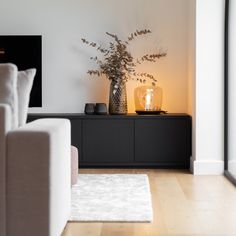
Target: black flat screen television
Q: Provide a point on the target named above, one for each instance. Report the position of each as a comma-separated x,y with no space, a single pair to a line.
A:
25,51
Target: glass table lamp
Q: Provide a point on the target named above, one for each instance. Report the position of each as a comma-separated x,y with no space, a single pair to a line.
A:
148,99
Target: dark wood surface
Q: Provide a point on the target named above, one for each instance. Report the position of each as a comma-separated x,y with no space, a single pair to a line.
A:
131,140
163,140
127,116
108,141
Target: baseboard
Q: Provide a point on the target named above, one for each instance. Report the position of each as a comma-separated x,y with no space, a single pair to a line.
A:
232,166
207,167
230,177
191,164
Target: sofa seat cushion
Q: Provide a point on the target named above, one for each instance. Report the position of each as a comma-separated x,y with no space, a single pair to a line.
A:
74,165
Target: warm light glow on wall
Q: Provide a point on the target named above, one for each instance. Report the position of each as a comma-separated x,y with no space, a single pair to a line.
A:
66,61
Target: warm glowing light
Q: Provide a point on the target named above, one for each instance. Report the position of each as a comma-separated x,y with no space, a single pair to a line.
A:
148,98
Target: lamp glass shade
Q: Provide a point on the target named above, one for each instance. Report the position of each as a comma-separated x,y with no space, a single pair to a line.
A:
148,98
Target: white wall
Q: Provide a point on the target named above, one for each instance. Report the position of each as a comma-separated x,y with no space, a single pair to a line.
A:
192,70
209,96
231,90
66,86
191,75
191,55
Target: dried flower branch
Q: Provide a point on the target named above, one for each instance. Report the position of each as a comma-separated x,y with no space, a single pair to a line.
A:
119,65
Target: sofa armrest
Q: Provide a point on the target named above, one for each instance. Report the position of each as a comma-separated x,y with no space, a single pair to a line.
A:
5,126
38,178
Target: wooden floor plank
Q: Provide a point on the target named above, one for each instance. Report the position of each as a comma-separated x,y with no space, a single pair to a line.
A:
183,205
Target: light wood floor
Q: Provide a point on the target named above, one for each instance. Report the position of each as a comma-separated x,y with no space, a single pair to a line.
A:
183,205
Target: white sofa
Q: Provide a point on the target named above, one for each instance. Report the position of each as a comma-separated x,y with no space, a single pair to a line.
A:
35,184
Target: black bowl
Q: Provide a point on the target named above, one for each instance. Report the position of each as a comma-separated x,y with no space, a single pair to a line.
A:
100,109
89,108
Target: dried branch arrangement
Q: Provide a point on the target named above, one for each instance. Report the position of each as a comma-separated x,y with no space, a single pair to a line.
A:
118,63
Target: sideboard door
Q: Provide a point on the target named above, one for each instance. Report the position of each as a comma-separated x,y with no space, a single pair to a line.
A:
162,141
108,141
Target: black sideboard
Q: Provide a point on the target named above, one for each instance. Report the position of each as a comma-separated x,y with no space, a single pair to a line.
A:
162,141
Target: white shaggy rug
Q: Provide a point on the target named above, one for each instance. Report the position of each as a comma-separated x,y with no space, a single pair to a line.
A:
111,197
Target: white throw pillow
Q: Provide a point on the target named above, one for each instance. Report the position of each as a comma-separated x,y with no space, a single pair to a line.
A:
24,85
8,91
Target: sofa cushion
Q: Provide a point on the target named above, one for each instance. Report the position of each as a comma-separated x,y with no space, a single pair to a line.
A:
38,178
24,85
74,165
8,90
